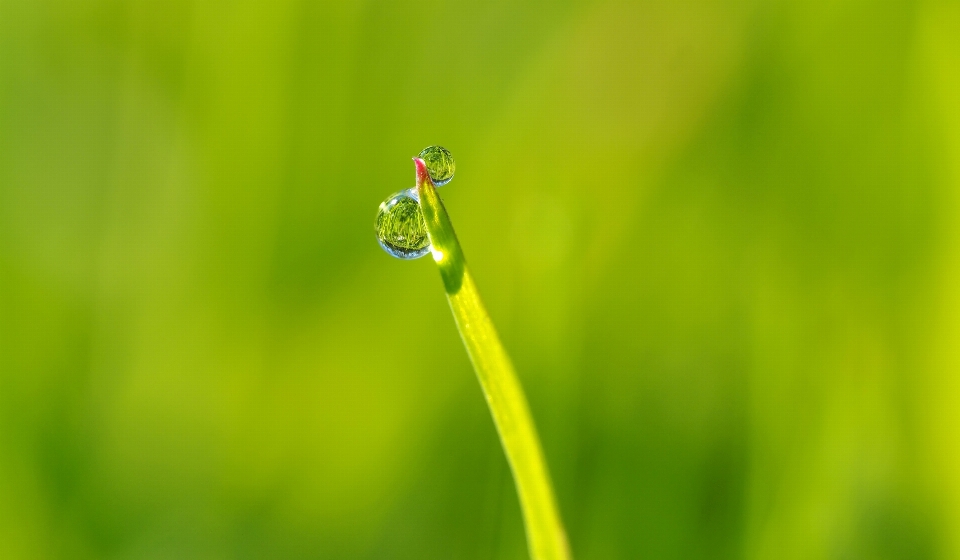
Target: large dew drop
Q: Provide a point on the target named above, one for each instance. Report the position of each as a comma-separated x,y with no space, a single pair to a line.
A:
400,227
440,164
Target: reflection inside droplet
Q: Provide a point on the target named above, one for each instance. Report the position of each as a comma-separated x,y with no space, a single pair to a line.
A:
440,164
400,226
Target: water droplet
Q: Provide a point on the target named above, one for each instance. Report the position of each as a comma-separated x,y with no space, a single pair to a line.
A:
400,226
440,164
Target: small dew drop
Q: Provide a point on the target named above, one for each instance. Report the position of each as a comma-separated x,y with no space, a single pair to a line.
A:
400,226
440,164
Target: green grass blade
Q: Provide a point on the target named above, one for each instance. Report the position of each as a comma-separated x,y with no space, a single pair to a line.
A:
508,405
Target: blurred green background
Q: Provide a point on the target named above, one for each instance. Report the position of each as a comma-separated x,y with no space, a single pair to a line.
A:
720,239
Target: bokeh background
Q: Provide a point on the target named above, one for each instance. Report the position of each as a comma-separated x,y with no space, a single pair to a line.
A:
720,239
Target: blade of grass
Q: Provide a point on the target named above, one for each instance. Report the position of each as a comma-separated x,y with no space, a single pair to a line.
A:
546,538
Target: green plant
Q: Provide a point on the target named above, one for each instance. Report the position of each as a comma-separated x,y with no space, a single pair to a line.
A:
546,538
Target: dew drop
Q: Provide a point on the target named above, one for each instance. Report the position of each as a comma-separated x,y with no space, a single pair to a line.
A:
400,226
440,164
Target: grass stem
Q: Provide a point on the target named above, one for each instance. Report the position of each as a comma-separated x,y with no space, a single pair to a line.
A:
546,538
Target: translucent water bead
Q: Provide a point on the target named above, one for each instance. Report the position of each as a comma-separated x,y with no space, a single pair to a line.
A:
400,226
440,164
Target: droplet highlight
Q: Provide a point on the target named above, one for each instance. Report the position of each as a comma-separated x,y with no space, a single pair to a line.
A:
440,164
400,227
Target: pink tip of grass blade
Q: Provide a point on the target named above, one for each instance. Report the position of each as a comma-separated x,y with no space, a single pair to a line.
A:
423,176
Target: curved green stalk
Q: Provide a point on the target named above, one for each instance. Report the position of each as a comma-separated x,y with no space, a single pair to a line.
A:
508,405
